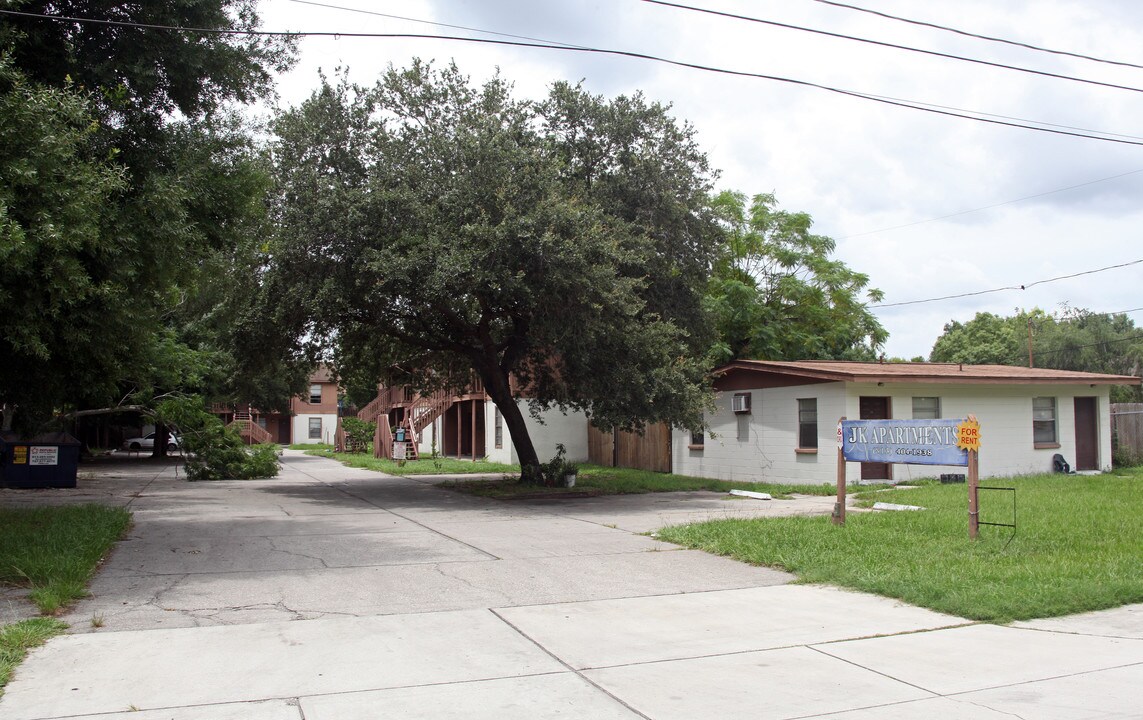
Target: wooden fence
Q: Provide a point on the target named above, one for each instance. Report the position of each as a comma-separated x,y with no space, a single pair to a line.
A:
1127,428
649,450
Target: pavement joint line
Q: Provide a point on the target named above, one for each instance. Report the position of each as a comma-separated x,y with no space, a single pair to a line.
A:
415,522
885,675
986,707
331,567
1078,633
1078,673
575,671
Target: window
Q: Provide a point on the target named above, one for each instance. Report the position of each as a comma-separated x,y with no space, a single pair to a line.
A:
807,423
498,424
315,393
1044,421
926,408
698,440
261,421
315,428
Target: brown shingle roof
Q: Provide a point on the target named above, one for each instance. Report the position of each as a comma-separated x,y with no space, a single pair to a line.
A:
841,371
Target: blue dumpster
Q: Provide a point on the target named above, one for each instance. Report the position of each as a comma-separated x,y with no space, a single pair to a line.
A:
46,461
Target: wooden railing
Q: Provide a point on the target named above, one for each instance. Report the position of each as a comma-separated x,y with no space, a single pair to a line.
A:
250,431
376,407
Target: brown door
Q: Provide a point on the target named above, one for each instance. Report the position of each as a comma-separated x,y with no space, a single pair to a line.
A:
874,408
1087,434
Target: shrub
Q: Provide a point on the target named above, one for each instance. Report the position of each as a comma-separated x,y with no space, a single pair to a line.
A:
358,434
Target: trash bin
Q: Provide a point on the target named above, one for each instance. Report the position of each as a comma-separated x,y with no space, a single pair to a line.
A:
46,461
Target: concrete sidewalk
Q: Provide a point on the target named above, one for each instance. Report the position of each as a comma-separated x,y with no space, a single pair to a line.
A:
332,593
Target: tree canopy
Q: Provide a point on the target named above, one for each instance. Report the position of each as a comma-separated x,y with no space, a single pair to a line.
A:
557,250
1074,339
128,187
776,294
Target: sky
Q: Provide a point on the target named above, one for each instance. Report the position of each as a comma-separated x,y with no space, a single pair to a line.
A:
927,205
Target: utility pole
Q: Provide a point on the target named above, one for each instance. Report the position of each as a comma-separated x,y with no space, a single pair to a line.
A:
1030,342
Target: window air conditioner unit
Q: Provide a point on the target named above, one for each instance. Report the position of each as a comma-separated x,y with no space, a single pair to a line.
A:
741,403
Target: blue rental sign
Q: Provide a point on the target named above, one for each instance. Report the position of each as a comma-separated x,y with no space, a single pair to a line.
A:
913,442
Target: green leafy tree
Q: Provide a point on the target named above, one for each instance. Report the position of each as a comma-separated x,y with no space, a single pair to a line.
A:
1075,339
987,339
58,278
558,250
776,293
120,259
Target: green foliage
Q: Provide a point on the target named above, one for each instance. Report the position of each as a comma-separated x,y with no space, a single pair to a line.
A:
214,451
439,230
1077,549
1074,339
128,211
358,434
776,294
423,466
55,550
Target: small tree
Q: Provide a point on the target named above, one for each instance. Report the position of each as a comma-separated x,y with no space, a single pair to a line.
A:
776,294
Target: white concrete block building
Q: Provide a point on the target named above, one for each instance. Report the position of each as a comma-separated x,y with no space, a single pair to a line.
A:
777,421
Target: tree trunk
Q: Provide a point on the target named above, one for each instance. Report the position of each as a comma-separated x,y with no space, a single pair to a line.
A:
162,437
9,411
498,388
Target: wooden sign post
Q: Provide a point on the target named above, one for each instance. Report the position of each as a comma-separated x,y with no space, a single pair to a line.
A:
838,516
968,438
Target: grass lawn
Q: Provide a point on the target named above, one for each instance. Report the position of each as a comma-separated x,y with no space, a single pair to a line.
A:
1078,547
424,466
598,480
54,551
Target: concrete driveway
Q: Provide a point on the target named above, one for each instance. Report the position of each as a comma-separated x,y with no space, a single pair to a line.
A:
332,593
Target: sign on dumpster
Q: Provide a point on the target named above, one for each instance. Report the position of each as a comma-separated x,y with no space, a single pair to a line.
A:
44,455
912,442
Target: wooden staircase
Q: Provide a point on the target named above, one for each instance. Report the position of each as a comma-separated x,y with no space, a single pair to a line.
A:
420,412
249,430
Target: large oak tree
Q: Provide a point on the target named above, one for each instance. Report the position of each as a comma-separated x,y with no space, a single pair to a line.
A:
429,229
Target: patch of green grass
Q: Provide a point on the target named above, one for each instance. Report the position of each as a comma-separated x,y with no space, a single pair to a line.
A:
598,480
311,446
424,466
18,638
55,550
1078,547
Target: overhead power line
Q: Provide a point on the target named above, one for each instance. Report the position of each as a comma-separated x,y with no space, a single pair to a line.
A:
1008,287
990,207
1122,140
431,22
945,28
907,48
559,42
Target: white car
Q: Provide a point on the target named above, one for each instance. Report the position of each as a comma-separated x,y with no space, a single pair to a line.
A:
147,442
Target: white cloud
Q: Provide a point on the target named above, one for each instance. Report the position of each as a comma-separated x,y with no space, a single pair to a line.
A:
856,166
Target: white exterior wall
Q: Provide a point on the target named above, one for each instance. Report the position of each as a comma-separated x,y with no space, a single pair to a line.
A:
300,432
768,454
569,429
1005,416
771,431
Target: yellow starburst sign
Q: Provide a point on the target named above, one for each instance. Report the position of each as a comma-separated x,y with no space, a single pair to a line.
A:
968,434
